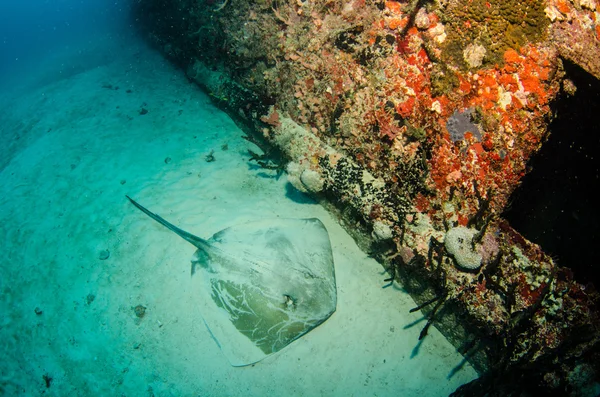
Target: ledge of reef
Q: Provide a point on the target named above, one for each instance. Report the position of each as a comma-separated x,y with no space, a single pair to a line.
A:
414,122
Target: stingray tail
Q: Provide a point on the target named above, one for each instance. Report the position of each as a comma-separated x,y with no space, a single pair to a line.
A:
195,240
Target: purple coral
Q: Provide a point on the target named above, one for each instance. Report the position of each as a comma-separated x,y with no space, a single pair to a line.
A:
460,123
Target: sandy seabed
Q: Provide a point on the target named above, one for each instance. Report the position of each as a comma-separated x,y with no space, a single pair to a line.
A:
75,142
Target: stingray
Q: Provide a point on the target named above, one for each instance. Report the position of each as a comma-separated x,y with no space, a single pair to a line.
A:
264,284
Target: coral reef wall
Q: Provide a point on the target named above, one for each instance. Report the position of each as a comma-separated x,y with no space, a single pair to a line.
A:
415,119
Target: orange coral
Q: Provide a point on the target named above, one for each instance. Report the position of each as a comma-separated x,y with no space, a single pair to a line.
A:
394,7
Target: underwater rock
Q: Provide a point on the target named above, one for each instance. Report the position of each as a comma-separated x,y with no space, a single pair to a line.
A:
312,180
305,180
210,157
293,176
459,244
381,231
140,311
47,380
104,255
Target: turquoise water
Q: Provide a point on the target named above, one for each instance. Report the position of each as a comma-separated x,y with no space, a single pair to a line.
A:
96,299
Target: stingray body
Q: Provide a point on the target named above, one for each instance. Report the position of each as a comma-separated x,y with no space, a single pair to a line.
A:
265,283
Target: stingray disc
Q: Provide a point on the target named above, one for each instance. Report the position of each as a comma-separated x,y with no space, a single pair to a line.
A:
267,284
263,284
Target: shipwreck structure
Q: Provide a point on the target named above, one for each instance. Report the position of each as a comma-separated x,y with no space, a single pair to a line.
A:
415,121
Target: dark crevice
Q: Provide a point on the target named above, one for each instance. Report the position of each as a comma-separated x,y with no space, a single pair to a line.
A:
556,205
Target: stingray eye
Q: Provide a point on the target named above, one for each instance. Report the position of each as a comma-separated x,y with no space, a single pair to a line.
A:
289,302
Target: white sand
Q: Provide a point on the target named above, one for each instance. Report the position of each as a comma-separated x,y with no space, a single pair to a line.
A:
81,149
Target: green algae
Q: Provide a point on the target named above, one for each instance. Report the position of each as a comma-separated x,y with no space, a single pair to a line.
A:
496,25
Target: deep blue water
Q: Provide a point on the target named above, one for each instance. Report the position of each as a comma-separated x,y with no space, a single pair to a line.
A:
34,31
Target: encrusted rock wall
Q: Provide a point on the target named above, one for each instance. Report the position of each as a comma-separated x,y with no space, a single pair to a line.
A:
416,121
